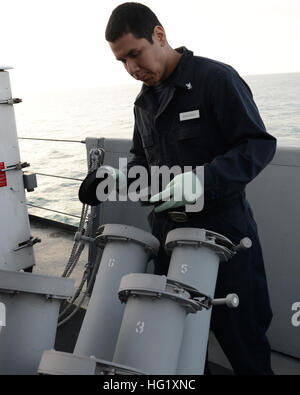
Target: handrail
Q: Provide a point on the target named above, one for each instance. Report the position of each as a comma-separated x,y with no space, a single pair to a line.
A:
52,175
62,141
54,211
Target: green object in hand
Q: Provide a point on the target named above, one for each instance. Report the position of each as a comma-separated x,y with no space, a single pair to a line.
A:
185,188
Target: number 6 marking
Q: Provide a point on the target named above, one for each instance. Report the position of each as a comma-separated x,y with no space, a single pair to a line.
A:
111,262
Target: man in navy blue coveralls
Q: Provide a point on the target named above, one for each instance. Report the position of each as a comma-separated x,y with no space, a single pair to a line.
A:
229,139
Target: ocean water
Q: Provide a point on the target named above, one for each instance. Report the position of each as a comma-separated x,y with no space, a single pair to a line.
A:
108,112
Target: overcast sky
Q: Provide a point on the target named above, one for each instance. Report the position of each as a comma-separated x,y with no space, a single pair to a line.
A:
59,44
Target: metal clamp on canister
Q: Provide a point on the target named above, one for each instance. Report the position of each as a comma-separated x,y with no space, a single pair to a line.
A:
157,287
125,233
216,242
205,301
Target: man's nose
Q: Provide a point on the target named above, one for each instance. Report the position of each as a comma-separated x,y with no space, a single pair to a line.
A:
132,67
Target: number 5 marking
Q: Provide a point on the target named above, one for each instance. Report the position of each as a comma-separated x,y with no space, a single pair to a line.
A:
184,268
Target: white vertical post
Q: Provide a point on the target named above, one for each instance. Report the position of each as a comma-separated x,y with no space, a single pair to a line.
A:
14,221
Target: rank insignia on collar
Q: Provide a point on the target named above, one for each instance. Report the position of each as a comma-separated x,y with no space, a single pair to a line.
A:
189,86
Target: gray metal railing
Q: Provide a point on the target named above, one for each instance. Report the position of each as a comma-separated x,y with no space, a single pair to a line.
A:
62,141
54,211
52,175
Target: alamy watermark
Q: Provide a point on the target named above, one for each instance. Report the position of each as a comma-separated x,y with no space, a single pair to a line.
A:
142,185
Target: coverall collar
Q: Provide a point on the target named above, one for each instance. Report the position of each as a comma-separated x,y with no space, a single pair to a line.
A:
182,77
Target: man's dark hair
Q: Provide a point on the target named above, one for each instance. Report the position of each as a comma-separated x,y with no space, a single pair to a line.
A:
133,18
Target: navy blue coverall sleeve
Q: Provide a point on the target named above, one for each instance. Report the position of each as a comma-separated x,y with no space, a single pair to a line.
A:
241,126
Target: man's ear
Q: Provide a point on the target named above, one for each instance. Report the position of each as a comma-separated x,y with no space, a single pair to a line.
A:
159,35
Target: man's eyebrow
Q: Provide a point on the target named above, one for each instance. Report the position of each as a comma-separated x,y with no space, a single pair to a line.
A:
128,54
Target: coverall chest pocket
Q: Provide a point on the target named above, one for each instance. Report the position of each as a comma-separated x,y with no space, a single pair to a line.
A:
191,145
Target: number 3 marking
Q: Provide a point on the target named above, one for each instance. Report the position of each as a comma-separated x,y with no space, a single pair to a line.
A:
140,327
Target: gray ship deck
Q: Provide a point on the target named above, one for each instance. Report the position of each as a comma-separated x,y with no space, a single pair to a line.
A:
51,257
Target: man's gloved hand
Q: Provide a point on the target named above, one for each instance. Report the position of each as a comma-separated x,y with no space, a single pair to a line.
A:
185,188
117,175
90,191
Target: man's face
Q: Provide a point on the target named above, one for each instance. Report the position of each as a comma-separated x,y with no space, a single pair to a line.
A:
142,60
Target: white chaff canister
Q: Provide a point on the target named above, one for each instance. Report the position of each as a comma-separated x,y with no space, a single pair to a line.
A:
14,222
126,250
153,323
196,254
32,306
